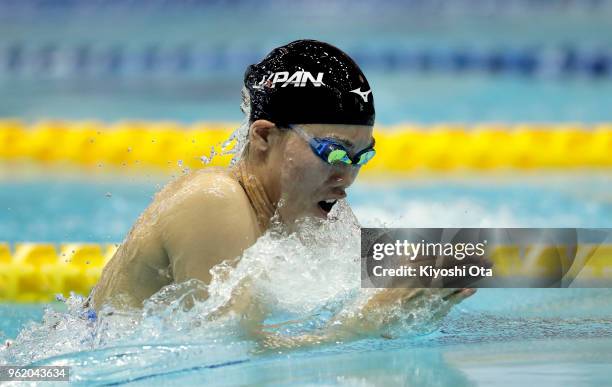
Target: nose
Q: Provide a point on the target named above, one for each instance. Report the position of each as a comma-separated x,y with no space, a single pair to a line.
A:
343,175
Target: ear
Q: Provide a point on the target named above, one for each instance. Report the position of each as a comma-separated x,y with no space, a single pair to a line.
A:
262,135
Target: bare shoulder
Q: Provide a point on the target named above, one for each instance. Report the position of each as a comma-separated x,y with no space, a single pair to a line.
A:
206,220
215,182
205,199
204,189
191,223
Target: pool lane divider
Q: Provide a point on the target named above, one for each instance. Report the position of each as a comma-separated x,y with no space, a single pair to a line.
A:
38,272
59,60
168,146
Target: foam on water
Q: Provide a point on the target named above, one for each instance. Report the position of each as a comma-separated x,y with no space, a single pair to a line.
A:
304,282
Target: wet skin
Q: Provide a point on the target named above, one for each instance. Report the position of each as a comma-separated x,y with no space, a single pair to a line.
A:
205,217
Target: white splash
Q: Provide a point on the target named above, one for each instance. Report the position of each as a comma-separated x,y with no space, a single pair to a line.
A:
311,276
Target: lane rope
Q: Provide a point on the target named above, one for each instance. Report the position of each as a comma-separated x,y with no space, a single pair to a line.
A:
169,146
59,60
38,272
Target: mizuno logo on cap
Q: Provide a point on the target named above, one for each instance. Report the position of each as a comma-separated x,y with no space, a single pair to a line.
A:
297,79
363,94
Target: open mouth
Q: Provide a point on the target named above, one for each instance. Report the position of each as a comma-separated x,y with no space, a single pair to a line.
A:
326,205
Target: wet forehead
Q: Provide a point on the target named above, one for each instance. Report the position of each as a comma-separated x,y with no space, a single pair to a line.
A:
352,136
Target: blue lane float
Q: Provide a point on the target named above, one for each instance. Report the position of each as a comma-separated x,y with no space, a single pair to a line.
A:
57,61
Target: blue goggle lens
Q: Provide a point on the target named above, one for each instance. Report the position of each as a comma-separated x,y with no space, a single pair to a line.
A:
334,153
366,156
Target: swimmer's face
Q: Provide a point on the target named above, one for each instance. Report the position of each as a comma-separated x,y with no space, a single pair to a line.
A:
300,181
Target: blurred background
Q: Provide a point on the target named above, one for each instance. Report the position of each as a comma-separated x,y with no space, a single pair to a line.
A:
490,77
429,61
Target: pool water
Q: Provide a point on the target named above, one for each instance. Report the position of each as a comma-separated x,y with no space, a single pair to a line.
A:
544,337
34,90
499,336
52,207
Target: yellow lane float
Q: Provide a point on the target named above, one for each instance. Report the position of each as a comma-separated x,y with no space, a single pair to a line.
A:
400,148
38,272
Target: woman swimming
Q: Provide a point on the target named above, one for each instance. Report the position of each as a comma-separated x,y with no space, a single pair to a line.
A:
311,116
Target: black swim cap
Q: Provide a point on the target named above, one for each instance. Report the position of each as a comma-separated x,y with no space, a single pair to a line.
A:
309,82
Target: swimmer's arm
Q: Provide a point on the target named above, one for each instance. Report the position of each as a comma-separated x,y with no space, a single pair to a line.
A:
375,313
370,319
205,229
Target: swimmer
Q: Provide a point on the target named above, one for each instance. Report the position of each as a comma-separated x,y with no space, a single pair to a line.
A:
311,116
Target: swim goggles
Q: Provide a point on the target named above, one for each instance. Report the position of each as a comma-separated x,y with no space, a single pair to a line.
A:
332,152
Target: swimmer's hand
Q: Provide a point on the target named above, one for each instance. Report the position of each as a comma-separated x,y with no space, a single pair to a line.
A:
377,313
388,305
380,311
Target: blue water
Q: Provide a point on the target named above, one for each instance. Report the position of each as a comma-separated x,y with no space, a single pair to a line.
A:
498,337
398,98
102,209
43,85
